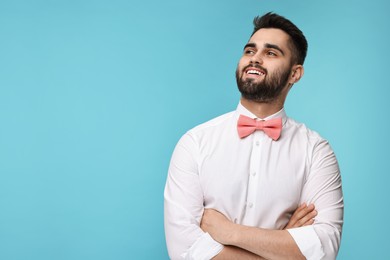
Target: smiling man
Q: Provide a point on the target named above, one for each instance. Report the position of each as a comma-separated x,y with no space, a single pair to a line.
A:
254,183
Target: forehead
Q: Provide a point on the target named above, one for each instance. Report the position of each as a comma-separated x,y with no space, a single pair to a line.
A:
271,36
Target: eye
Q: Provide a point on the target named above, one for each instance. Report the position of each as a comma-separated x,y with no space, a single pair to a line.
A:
271,53
249,52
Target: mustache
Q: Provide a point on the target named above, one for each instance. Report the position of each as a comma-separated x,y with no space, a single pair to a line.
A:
257,66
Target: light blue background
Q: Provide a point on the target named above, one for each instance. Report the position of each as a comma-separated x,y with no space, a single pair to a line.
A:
94,96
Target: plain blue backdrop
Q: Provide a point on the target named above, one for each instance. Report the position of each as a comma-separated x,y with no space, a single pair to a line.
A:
95,94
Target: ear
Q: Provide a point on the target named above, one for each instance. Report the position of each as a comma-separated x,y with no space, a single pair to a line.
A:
296,73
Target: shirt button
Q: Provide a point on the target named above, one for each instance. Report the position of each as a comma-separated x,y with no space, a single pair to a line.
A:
250,204
257,143
253,173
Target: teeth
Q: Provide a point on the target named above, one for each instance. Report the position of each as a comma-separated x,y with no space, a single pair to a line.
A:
255,72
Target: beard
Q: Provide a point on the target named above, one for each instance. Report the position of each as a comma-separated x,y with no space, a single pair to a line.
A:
266,90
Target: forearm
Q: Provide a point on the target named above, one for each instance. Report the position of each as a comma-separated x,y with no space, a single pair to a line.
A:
233,253
270,244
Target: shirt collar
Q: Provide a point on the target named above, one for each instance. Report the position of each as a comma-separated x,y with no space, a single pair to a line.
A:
241,110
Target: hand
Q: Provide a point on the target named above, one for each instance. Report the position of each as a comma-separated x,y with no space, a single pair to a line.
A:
303,216
217,225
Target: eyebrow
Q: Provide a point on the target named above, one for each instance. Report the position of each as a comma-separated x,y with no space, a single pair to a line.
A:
250,45
266,45
274,46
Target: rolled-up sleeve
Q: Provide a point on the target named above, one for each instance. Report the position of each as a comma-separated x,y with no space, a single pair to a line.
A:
322,188
183,206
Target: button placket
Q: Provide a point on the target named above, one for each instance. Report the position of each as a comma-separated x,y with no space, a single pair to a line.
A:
253,176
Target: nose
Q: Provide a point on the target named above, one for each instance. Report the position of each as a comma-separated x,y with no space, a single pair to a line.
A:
256,59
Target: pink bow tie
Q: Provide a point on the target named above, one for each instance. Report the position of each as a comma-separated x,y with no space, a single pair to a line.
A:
247,126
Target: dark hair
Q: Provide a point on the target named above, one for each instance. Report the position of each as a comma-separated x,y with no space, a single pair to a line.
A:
298,43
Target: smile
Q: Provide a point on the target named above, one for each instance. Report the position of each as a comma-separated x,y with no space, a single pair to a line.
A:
255,72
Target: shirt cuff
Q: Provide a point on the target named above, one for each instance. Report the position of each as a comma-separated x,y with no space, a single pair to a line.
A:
308,242
204,248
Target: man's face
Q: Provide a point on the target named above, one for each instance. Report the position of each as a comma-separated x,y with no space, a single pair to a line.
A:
264,70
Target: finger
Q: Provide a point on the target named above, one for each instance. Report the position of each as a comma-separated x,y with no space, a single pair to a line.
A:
306,218
309,222
302,212
296,215
301,215
293,218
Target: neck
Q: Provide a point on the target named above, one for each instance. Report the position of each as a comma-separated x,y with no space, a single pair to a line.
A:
262,110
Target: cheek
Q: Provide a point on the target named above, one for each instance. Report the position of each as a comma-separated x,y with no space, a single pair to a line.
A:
241,64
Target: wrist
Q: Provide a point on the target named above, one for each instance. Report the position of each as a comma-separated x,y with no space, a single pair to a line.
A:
234,236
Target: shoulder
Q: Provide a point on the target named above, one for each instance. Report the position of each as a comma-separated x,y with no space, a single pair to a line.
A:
317,147
210,129
215,124
300,130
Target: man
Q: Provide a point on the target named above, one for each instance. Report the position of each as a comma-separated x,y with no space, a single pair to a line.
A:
235,182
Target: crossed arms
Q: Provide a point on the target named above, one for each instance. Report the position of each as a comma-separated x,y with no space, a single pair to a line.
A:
195,233
243,242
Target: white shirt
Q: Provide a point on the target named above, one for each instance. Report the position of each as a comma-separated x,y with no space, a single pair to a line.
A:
254,181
